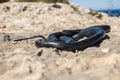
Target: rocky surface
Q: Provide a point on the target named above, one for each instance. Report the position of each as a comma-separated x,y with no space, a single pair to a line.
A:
23,61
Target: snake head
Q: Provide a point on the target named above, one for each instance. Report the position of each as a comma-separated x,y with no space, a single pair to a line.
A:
39,42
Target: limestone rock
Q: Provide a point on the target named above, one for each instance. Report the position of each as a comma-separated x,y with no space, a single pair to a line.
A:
21,60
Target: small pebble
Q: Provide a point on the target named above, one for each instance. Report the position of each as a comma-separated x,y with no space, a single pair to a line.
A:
39,53
7,38
56,6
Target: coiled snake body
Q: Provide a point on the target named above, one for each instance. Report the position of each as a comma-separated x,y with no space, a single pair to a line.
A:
69,40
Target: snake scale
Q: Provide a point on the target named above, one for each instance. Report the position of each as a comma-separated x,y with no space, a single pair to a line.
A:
70,40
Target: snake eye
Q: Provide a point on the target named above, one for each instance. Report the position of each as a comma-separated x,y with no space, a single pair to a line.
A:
42,40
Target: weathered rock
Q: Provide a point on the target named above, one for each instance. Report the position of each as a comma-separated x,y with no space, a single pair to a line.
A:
21,60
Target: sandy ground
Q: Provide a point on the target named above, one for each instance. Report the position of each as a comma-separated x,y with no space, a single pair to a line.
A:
23,61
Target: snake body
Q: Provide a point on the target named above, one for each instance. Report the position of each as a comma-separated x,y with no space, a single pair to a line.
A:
68,40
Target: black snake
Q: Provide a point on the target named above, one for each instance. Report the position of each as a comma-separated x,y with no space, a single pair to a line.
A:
69,40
